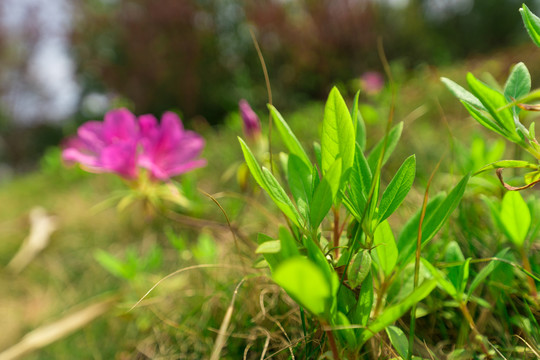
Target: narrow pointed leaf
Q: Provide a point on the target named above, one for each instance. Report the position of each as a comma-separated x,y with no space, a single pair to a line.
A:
462,94
337,133
398,188
507,164
279,196
393,139
394,312
288,137
325,194
493,101
532,24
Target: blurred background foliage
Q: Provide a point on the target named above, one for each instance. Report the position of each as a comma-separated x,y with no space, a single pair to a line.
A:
198,57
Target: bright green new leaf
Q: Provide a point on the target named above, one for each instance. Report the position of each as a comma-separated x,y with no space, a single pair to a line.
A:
338,137
462,94
393,139
394,312
515,217
398,188
385,247
399,340
494,102
305,283
269,247
288,137
532,24
507,164
325,194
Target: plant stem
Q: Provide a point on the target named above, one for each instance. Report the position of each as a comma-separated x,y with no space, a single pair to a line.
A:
337,233
530,280
332,342
465,310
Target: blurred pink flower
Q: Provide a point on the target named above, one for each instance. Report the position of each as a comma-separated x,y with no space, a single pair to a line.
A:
250,120
108,146
167,149
121,144
372,82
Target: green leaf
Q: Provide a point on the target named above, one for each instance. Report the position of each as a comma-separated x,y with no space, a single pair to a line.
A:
493,102
398,188
399,340
433,221
385,247
358,268
288,137
305,283
394,312
279,196
442,281
337,133
325,193
515,217
269,247
532,177
393,139
359,181
485,121
518,83
462,94
344,331
252,164
365,301
289,247
300,183
453,254
486,271
507,164
463,277
316,255
532,24
115,266
273,260
359,124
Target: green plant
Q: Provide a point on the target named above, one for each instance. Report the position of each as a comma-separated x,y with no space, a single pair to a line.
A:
339,267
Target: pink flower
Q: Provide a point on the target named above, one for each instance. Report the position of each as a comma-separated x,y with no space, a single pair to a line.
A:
372,82
108,146
168,149
250,120
121,144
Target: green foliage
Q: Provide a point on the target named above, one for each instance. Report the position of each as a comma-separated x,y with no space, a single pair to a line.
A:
305,263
